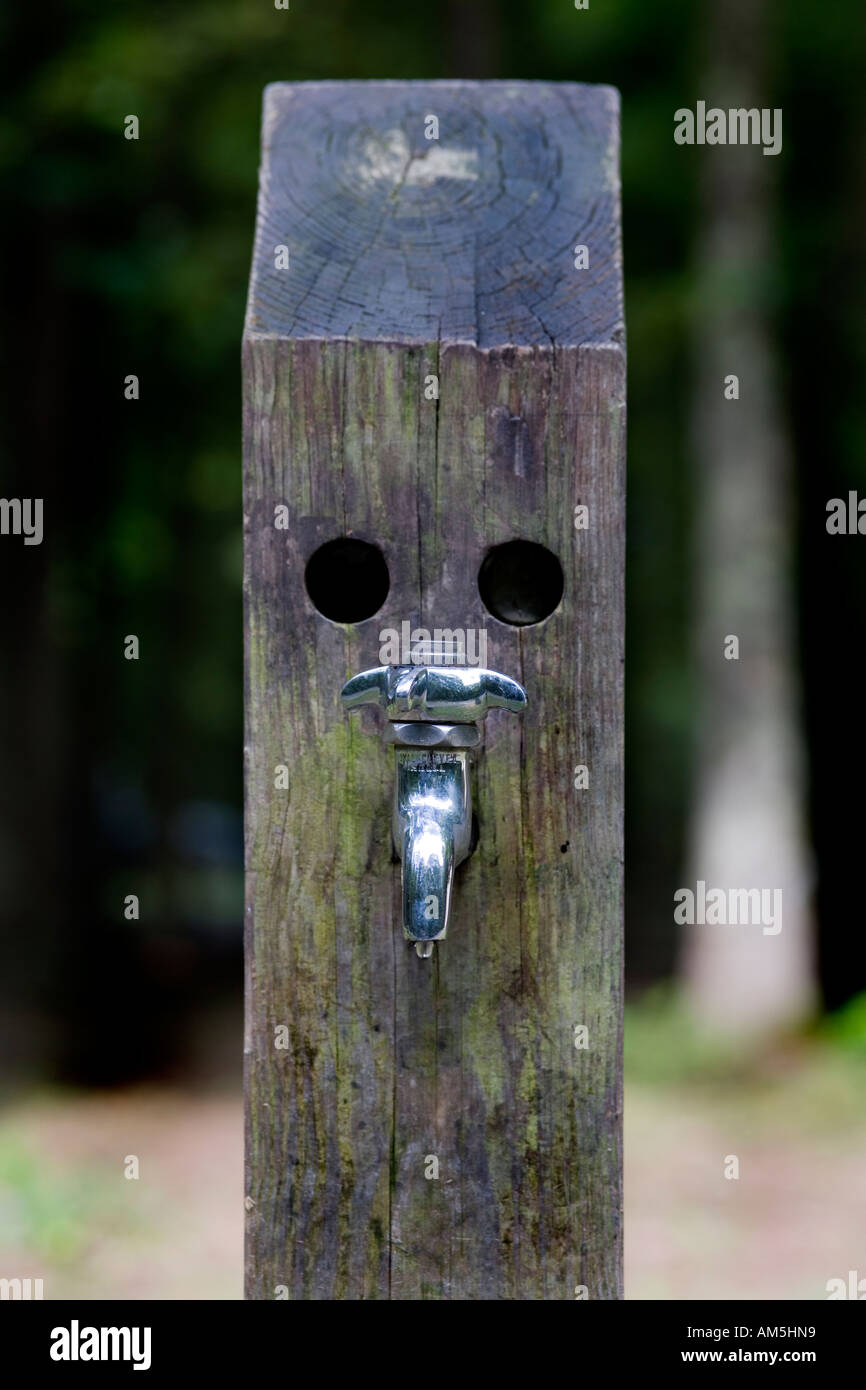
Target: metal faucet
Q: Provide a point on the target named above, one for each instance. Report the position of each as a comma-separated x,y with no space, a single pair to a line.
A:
433,714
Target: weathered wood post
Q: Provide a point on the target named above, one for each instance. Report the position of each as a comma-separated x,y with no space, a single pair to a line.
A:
434,368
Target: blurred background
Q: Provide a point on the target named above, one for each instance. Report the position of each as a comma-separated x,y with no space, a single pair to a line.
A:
121,1036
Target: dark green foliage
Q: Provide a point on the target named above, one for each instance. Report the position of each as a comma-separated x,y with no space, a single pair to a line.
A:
124,256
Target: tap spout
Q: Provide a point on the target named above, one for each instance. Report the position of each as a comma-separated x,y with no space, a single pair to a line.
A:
433,716
432,833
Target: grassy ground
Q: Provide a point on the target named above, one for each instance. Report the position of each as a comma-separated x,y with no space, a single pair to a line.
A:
70,1216
794,1117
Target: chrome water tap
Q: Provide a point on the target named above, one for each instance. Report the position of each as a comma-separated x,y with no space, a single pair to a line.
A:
433,714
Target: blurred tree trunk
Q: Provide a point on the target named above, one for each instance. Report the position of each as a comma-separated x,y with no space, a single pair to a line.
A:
748,817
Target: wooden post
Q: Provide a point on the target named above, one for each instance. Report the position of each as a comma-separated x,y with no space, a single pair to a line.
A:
432,365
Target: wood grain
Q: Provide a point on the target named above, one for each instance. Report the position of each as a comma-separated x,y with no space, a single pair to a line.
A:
468,1057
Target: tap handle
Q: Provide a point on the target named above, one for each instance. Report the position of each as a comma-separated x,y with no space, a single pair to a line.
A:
455,694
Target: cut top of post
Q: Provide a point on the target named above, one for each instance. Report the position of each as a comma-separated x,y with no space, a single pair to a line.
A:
473,212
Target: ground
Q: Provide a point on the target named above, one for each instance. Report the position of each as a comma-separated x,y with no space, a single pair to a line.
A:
794,1120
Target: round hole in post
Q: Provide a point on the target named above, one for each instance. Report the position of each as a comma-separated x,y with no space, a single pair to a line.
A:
520,582
347,579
